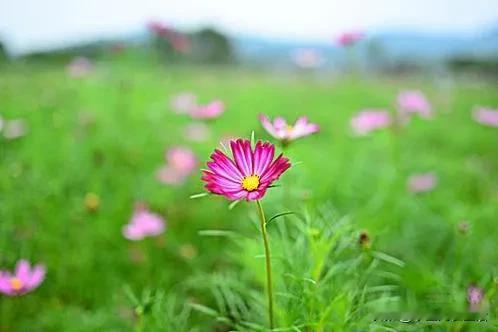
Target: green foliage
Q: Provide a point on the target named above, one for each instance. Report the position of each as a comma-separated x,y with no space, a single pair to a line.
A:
106,134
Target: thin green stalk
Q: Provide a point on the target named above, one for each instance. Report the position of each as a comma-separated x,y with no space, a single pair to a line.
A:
262,220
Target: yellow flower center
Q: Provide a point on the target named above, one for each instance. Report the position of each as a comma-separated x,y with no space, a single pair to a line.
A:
250,183
16,284
289,129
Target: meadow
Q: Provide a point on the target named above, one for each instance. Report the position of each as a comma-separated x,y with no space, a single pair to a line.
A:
359,252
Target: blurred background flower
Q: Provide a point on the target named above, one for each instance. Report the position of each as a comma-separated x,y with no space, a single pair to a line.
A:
184,102
180,163
211,110
79,67
143,223
413,102
369,120
475,296
285,132
15,128
349,38
486,116
23,280
423,182
197,132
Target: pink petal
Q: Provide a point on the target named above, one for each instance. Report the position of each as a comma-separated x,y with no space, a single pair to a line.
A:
5,287
225,166
23,271
256,194
272,173
133,232
414,101
486,116
210,111
267,125
220,181
241,150
303,128
37,276
263,156
370,120
424,182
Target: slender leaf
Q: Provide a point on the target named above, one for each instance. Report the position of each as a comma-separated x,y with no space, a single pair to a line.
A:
199,195
278,215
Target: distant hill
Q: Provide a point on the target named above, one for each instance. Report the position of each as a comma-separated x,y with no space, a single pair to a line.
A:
390,46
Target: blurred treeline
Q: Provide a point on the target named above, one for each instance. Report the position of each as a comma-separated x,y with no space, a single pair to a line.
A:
209,46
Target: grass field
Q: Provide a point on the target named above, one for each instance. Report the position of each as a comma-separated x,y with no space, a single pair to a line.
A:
107,133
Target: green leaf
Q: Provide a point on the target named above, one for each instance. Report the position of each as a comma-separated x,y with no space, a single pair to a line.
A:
225,149
216,232
200,195
233,204
204,309
278,215
387,258
131,296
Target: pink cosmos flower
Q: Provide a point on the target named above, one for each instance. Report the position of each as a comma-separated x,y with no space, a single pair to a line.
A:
349,38
143,223
158,28
413,101
23,280
248,175
369,120
486,116
181,162
475,296
79,67
286,133
211,110
419,183
184,102
197,132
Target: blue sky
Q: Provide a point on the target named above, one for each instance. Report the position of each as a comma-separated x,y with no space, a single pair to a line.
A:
39,24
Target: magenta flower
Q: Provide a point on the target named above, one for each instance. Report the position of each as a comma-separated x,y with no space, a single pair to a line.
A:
143,223
24,279
180,163
158,28
184,102
248,175
419,183
211,110
369,120
486,116
349,38
413,101
286,133
475,296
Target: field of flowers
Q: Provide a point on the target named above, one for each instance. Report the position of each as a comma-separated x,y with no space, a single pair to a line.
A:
380,215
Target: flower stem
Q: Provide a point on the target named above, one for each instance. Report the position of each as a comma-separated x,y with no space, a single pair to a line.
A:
262,220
